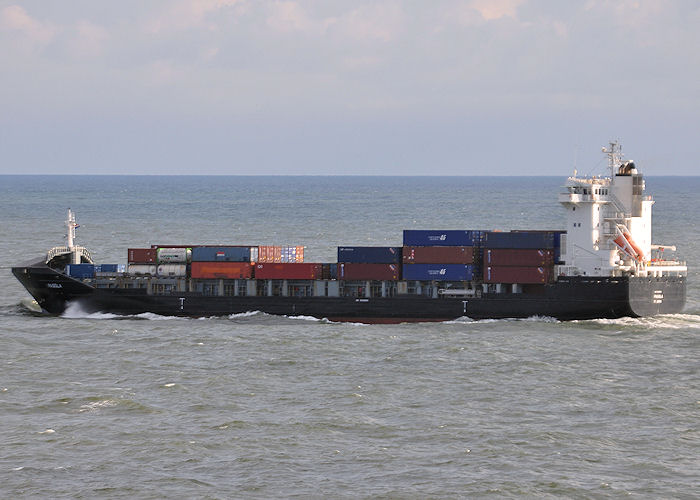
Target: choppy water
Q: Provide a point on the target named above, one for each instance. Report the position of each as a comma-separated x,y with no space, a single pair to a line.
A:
256,406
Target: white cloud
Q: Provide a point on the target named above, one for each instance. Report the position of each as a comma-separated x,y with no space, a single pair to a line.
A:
496,9
15,18
188,14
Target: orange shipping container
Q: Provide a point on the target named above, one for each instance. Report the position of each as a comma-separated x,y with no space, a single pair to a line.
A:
222,270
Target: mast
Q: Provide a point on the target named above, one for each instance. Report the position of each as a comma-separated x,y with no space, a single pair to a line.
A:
614,152
71,225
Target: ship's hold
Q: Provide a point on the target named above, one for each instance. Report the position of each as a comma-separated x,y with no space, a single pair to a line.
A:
173,270
288,271
142,269
518,257
518,274
370,255
438,255
221,254
221,270
436,237
80,271
142,255
438,272
359,271
174,255
518,239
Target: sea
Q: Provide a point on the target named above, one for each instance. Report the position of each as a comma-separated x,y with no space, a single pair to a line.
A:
258,406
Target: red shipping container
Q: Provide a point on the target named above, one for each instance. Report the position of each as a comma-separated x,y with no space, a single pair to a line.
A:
518,274
518,257
288,271
142,255
378,272
438,255
222,270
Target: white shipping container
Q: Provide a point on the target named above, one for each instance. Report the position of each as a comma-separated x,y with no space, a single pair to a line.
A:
174,255
176,270
142,269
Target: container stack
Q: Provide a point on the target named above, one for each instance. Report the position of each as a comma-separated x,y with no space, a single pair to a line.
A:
369,263
524,257
222,262
142,261
441,255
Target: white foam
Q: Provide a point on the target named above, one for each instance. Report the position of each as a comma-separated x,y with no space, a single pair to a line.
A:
155,317
306,318
97,405
244,314
669,321
48,431
76,311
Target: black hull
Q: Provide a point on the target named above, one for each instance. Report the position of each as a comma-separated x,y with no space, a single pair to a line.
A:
568,299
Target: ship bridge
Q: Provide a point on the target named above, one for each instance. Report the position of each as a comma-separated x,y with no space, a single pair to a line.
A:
609,223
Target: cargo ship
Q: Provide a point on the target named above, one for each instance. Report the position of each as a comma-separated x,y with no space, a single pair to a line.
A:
603,264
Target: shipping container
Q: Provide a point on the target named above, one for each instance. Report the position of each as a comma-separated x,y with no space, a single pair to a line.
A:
174,255
518,239
438,255
110,268
221,254
222,270
80,271
375,272
370,255
518,257
272,253
142,255
329,271
175,270
288,270
443,238
519,274
142,269
438,272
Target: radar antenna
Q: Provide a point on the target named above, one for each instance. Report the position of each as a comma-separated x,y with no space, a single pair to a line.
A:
614,152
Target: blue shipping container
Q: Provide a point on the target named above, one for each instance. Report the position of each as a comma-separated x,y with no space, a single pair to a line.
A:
438,272
519,239
81,270
221,254
369,255
436,237
333,271
106,268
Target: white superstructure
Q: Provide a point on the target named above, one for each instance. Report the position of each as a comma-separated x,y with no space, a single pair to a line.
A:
608,231
75,254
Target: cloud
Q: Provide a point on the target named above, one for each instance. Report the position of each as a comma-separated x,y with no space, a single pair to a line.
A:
188,14
496,9
15,18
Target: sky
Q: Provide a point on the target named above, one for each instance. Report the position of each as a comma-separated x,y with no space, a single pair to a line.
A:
330,87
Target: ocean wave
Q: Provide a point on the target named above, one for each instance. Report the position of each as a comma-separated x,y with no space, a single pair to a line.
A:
532,319
76,311
247,314
668,321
